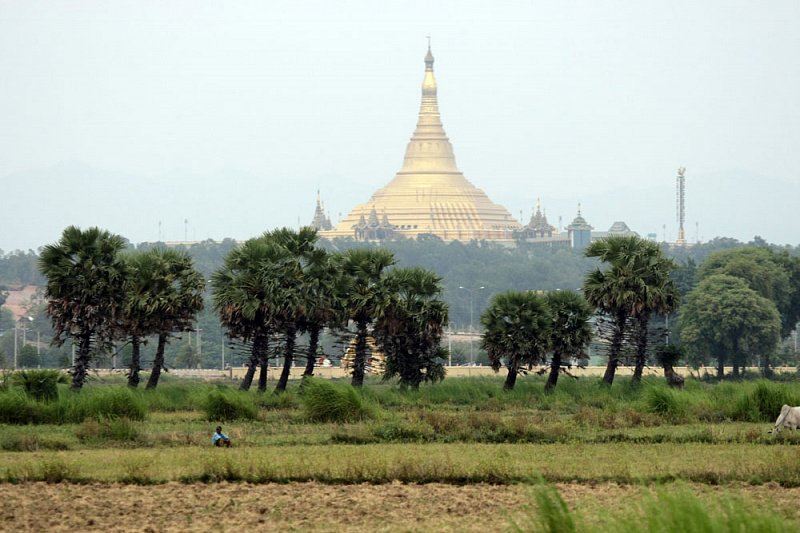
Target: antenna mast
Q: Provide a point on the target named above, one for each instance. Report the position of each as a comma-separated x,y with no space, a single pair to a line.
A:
681,206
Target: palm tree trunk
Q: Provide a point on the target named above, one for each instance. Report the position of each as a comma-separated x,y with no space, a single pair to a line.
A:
360,360
674,379
641,346
615,349
252,365
288,358
158,363
263,362
511,378
313,343
555,368
81,361
720,367
735,370
133,375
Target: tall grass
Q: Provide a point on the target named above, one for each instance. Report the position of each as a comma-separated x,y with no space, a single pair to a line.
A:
39,384
223,405
323,401
761,401
17,408
672,509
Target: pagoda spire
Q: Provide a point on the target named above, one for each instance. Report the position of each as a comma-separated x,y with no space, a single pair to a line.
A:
429,148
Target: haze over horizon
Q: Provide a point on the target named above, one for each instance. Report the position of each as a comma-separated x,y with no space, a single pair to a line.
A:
125,115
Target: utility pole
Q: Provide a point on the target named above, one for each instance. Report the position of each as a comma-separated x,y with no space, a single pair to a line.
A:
199,348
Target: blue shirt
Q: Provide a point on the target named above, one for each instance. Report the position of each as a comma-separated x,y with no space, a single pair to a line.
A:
217,436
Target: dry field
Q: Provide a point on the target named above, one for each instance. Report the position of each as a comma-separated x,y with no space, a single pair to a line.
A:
318,507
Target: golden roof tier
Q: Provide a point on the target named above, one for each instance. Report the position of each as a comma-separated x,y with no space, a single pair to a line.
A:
429,195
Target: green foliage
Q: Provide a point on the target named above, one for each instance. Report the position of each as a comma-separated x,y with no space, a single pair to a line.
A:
724,318
39,384
665,402
550,513
17,408
364,295
223,405
678,509
673,508
517,328
772,275
27,442
27,357
323,401
761,402
84,291
634,285
97,431
409,329
668,355
173,396
102,403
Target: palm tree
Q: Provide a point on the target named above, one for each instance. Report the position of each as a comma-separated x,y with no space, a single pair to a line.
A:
364,297
516,328
174,295
620,292
321,284
84,291
570,331
244,295
409,331
295,300
659,296
138,320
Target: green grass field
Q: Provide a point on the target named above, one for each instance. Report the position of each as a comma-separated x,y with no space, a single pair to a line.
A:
462,432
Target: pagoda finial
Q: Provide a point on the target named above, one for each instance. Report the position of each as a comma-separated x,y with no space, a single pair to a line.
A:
429,56
579,209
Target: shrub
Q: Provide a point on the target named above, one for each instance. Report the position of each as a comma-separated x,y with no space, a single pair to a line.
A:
323,401
101,403
17,408
399,431
40,385
56,471
763,403
224,405
664,402
115,429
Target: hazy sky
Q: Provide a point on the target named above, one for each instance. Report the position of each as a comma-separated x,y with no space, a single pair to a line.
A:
231,114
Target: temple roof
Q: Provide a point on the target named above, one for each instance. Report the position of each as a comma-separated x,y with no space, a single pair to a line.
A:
579,223
321,221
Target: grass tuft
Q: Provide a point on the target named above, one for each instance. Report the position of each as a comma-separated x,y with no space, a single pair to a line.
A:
224,405
323,401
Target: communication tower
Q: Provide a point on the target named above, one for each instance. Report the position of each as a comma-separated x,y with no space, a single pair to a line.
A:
680,194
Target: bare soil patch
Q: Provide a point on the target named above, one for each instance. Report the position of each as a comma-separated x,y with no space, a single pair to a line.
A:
309,506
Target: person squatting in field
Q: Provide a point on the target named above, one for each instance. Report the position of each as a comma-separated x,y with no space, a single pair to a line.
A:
220,439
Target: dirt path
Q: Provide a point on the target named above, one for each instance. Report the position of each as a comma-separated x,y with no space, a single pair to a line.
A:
298,506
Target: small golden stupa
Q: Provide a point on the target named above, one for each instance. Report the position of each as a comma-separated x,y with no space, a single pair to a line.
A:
429,195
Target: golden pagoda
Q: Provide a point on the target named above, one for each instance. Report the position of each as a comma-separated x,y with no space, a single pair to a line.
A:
429,195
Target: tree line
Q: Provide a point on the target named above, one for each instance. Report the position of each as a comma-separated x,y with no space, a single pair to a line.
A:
266,292
304,287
